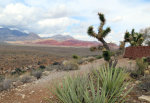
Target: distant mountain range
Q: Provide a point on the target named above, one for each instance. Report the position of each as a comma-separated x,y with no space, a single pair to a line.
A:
7,34
66,42
61,37
18,37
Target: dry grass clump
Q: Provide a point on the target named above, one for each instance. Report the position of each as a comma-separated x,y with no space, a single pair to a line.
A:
26,79
69,65
37,74
6,84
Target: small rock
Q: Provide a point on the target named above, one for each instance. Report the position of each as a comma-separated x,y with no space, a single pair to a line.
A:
31,92
23,96
137,82
146,72
19,90
64,62
24,85
46,73
143,97
26,68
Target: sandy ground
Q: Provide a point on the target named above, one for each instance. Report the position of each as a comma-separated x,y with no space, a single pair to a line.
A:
38,91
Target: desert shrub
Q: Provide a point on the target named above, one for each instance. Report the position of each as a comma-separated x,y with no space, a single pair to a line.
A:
98,57
69,65
80,61
145,78
141,66
134,75
90,59
75,56
26,79
107,87
37,74
18,71
6,84
50,67
93,48
1,86
56,63
147,59
42,67
145,86
2,77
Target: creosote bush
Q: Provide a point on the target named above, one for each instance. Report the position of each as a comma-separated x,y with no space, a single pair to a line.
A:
42,67
6,84
2,77
75,56
141,66
68,65
71,66
98,57
104,85
18,71
26,79
145,86
93,48
37,74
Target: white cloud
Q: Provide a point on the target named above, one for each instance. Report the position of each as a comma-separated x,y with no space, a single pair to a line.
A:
117,19
56,25
18,15
73,17
63,22
84,37
46,35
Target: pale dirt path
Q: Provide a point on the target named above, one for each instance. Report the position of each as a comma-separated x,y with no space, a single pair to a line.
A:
37,91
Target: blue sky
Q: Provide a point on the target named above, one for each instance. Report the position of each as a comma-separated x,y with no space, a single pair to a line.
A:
72,17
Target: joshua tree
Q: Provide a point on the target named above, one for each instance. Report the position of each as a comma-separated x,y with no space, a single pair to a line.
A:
101,32
134,38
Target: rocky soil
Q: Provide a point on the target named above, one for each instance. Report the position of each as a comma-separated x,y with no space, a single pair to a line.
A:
38,91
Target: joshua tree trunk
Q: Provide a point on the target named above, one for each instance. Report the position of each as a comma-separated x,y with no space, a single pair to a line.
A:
104,43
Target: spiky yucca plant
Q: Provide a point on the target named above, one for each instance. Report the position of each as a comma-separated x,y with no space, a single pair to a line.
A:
105,85
102,33
134,38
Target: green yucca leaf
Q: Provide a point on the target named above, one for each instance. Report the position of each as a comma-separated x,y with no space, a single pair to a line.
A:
104,85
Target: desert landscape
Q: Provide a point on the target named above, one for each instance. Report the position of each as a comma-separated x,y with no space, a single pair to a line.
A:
28,57
74,51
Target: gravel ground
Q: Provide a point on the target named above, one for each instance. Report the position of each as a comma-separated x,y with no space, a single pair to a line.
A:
38,91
